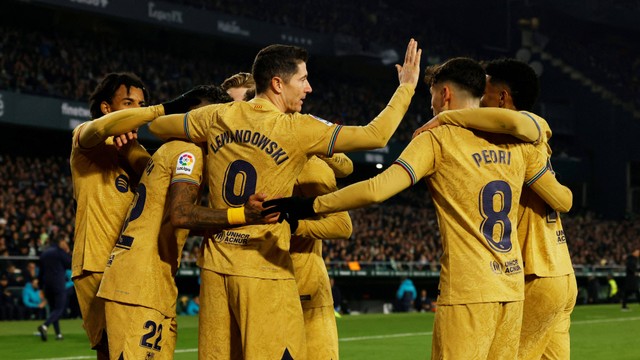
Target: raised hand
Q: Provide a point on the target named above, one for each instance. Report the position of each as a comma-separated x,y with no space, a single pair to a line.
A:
409,72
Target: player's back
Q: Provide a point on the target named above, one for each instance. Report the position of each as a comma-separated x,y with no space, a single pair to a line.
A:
476,188
102,191
254,148
540,232
142,265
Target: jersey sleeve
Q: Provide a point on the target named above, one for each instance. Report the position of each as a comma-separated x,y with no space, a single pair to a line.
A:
188,165
316,179
374,135
119,122
415,162
544,183
192,126
341,164
331,226
522,125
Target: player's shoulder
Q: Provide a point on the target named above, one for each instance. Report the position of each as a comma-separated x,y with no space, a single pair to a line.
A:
178,146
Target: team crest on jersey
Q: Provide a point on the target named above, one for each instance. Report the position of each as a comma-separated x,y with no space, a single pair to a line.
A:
328,123
122,183
185,164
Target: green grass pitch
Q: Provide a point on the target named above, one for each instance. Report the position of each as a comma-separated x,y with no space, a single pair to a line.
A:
597,332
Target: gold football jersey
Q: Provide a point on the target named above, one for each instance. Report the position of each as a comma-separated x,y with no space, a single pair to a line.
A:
254,148
144,261
103,191
316,178
540,232
475,180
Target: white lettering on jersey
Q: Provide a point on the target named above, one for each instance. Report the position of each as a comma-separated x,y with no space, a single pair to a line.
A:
185,163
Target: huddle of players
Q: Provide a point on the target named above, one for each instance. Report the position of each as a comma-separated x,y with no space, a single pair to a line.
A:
251,305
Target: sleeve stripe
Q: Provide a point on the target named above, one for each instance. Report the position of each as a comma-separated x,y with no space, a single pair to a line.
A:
186,127
537,176
332,143
408,169
189,181
535,122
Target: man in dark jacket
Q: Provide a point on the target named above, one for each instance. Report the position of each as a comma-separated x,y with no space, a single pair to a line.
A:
630,280
53,263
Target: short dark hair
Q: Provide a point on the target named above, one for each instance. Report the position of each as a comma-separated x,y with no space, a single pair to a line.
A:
108,87
464,72
211,93
519,77
276,60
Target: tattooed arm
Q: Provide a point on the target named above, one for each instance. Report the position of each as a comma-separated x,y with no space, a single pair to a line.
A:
186,214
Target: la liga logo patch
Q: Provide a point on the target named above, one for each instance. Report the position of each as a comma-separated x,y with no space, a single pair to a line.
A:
185,163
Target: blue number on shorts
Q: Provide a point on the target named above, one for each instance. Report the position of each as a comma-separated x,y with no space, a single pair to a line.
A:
126,241
144,341
244,173
493,218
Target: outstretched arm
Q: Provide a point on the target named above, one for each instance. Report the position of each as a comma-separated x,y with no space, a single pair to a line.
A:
116,123
378,132
169,126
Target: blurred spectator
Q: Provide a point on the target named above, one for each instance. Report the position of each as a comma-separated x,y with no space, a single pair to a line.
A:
193,306
54,261
631,279
73,307
10,306
34,301
593,290
181,305
424,302
337,297
613,289
406,295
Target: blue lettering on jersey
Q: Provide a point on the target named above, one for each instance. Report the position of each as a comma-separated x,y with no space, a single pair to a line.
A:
122,183
492,157
256,139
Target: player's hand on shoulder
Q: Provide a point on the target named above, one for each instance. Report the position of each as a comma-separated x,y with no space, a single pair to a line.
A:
409,71
434,122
